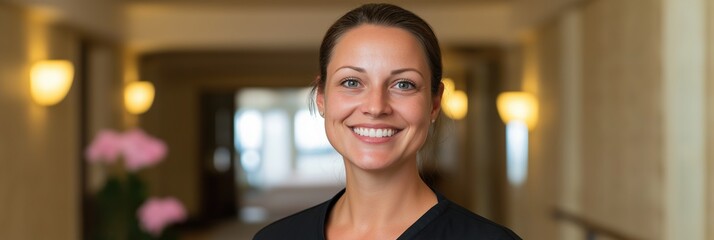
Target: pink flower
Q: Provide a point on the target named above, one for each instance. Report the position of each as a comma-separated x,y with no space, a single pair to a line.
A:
138,149
156,214
141,150
105,147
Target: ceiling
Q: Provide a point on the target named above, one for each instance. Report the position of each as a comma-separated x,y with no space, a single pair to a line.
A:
274,3
168,25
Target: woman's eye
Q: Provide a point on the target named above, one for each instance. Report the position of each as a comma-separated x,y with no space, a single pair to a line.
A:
350,83
405,85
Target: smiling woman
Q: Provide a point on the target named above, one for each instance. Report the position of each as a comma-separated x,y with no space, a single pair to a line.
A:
379,91
375,83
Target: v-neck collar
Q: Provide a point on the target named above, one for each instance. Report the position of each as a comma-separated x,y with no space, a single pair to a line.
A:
411,232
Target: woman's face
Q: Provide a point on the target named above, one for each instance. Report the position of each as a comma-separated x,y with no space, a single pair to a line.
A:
377,100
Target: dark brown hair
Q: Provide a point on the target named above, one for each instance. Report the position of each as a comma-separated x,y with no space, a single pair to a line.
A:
382,15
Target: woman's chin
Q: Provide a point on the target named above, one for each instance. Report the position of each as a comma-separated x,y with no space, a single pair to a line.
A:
373,163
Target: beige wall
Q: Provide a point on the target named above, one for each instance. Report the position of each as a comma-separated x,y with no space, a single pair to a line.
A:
530,205
528,12
710,118
684,55
99,18
39,185
40,152
637,145
622,139
622,155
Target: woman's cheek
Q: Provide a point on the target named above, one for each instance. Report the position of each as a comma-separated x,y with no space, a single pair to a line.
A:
342,105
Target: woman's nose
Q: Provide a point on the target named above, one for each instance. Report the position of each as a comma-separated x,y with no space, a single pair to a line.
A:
376,103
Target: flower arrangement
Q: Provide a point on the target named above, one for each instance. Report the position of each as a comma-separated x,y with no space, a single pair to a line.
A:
124,210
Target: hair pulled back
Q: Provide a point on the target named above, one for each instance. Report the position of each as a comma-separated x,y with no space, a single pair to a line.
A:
382,15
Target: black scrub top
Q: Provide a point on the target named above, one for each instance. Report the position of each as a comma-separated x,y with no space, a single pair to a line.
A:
445,220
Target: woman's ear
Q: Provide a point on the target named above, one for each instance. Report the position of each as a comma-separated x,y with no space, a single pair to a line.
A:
436,101
320,97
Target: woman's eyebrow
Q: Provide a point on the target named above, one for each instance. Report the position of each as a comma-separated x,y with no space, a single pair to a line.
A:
402,70
394,72
358,69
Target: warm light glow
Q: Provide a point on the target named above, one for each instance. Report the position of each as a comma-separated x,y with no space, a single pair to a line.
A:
449,88
519,110
454,103
138,97
518,106
50,81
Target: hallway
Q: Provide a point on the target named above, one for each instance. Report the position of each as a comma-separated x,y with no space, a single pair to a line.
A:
618,139
263,207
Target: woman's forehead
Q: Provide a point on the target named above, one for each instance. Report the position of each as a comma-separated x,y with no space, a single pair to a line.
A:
371,45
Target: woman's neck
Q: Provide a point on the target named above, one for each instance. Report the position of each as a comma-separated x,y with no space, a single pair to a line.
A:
380,204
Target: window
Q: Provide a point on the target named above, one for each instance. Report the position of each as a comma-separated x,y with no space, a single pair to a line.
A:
280,143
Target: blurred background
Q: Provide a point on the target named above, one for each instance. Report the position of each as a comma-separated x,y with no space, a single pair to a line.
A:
622,147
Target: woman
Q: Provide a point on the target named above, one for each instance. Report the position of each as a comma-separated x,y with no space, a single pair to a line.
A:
379,91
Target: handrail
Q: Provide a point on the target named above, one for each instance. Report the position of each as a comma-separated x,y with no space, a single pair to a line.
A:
591,228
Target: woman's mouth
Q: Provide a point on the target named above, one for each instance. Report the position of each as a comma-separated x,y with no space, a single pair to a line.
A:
375,132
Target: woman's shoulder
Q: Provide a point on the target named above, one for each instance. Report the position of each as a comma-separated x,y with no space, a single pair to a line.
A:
305,224
484,225
451,221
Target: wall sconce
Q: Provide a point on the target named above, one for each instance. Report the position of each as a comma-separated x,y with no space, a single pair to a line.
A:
519,111
454,102
50,81
138,96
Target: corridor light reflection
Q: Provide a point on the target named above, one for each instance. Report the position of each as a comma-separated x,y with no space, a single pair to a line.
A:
249,136
310,133
250,124
519,111
517,151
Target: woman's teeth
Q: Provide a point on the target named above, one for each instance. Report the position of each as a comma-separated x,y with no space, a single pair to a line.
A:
372,132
